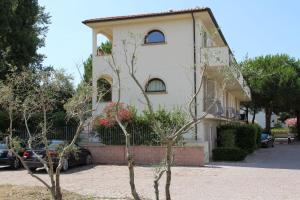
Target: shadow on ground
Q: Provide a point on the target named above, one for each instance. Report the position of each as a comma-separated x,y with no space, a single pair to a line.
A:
282,156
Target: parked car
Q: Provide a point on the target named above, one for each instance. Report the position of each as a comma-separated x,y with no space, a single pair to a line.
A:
7,158
267,140
81,156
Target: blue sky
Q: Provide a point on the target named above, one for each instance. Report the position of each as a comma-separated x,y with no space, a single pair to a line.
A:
253,27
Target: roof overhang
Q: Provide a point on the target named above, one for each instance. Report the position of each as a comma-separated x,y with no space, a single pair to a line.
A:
208,20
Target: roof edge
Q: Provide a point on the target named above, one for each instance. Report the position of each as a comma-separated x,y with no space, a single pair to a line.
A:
218,27
138,16
169,13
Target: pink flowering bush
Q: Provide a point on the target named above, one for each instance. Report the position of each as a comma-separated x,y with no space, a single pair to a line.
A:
103,122
291,122
114,109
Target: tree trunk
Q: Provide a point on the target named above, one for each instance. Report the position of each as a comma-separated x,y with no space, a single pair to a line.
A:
168,170
58,194
253,117
131,170
298,123
246,114
156,189
55,195
268,114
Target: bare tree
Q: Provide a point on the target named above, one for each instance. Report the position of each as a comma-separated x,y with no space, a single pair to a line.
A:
130,160
15,84
39,97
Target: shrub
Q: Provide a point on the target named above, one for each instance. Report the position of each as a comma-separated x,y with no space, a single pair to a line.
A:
228,126
141,134
167,121
258,130
227,138
114,109
229,154
246,138
141,127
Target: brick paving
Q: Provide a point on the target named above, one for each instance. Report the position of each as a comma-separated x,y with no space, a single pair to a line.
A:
272,173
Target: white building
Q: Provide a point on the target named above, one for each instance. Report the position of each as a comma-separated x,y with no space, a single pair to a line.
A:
260,119
172,49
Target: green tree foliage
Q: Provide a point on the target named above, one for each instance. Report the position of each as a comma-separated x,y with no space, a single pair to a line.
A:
105,48
22,32
62,91
88,69
292,96
23,83
269,78
66,89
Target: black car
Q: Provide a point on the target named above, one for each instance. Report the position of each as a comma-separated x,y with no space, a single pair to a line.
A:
267,140
80,156
7,158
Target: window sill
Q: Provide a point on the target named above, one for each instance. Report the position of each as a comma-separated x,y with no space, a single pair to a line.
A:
156,93
154,44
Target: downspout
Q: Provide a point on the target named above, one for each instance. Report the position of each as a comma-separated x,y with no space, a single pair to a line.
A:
195,73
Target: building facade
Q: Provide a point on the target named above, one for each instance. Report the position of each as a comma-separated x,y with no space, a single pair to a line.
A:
175,52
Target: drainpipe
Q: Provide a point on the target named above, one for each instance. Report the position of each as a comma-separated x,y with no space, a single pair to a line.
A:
195,73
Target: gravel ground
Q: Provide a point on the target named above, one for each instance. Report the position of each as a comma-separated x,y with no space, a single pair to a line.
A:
272,173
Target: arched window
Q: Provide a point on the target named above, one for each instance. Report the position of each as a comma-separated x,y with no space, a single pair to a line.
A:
155,85
154,36
104,90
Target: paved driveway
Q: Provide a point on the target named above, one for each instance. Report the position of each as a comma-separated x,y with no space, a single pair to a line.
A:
268,174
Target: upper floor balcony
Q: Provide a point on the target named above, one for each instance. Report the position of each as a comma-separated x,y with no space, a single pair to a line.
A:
221,65
218,111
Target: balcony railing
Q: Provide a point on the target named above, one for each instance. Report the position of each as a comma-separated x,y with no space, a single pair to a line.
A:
219,110
215,56
216,109
232,113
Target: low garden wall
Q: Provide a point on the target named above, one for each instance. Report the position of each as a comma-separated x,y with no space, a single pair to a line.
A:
147,155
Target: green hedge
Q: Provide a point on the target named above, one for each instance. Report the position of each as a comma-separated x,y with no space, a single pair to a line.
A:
247,136
227,138
229,154
258,130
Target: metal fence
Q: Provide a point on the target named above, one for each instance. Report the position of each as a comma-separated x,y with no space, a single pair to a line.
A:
61,133
139,135
143,135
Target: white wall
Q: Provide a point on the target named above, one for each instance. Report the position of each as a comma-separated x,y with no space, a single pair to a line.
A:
261,120
172,62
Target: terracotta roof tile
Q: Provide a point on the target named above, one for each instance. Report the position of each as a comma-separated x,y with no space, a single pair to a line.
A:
157,14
